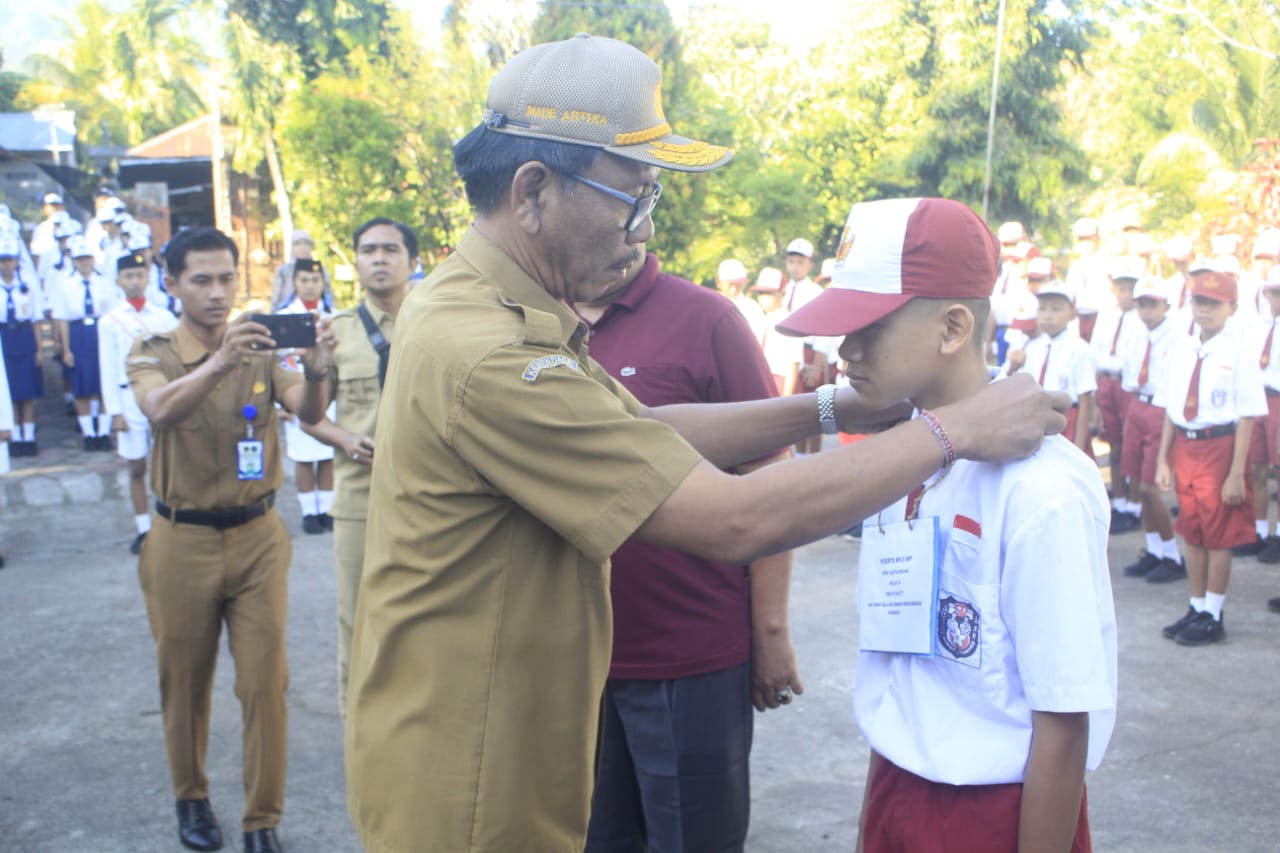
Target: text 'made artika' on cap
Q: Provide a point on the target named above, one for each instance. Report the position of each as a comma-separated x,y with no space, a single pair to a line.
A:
594,91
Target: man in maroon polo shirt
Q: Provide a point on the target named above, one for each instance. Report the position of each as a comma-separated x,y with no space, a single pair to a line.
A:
696,642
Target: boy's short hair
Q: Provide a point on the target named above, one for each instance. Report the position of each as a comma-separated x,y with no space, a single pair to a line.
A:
893,251
201,239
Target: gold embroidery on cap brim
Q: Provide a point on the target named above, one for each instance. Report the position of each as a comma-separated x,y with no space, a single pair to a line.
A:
689,154
639,137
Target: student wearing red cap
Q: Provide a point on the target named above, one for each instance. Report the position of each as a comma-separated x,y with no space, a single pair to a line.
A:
1211,400
945,574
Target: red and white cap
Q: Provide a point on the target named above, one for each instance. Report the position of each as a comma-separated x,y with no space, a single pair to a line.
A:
893,251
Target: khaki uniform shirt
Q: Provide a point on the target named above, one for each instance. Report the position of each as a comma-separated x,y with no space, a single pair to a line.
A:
193,464
355,391
509,467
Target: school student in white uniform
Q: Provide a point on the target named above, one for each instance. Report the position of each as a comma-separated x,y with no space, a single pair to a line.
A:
127,321
312,458
980,734
1146,366
1264,455
21,313
76,304
1117,327
1061,361
1212,399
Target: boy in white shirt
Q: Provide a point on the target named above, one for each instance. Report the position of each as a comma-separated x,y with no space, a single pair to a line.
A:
128,320
1146,366
1211,400
980,734
1118,326
1061,361
784,354
1264,455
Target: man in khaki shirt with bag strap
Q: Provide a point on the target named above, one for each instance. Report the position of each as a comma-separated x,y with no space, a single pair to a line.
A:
386,253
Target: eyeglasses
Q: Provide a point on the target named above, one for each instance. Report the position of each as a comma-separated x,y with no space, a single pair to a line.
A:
640,207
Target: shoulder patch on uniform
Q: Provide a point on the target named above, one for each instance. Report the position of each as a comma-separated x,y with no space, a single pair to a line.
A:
546,362
290,360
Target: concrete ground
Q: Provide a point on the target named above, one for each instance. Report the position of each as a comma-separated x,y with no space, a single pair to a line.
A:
1193,765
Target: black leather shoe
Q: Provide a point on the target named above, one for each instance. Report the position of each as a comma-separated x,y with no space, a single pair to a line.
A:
327,521
312,524
136,547
197,827
262,841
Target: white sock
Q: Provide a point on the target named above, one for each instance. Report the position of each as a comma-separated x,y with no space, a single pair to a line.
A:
104,425
1263,527
142,521
324,501
95,407
307,502
28,432
1154,548
1133,507
68,397
800,453
1169,548
86,425
1197,604
1118,504
1213,603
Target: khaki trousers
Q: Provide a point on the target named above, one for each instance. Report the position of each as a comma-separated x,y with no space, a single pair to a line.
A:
194,578
348,545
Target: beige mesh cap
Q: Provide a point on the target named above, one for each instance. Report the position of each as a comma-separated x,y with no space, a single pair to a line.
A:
594,91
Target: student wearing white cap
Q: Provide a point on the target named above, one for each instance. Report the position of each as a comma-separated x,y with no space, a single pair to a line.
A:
1087,276
76,306
798,291
731,280
990,688
42,239
784,354
1060,361
21,312
1146,365
1263,451
10,227
1117,327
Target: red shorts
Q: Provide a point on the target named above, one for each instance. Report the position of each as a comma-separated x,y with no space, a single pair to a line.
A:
1073,414
1141,448
908,814
1200,467
1262,443
1113,403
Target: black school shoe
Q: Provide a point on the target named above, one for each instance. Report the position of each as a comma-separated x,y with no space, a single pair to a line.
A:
1270,553
326,520
1250,549
1202,630
136,547
1123,522
1171,631
1167,570
197,827
262,841
1146,562
312,524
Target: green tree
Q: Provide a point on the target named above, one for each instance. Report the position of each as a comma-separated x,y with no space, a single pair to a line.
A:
10,84
128,75
322,33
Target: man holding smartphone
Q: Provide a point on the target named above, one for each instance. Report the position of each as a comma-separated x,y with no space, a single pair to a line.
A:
386,254
217,549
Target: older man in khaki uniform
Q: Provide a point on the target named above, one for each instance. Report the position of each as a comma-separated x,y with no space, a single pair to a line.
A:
386,253
509,467
217,550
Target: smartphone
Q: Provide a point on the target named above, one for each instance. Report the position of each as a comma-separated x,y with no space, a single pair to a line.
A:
290,331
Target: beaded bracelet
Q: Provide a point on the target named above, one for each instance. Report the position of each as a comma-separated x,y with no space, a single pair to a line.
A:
935,427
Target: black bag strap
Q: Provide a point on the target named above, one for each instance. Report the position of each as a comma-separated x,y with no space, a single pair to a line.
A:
379,341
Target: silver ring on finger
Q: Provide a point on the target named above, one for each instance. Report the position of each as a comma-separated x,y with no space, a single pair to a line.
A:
783,696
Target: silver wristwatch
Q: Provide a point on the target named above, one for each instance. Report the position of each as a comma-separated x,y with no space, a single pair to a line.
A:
827,409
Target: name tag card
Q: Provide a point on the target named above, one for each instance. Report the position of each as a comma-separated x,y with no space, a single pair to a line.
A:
898,586
249,459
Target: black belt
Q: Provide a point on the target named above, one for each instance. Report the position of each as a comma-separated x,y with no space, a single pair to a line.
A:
85,321
218,519
1146,398
17,324
1209,432
1273,392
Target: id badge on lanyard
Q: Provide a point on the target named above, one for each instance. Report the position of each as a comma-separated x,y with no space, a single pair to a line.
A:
898,568
249,450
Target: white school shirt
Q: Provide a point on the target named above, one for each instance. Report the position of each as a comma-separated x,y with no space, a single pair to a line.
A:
1071,368
67,299
781,351
1162,338
796,295
1109,347
1024,622
28,307
1270,373
1230,381
754,315
160,296
1087,276
117,330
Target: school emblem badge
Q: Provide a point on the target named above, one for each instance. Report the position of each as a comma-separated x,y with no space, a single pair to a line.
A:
1064,382
1219,398
959,627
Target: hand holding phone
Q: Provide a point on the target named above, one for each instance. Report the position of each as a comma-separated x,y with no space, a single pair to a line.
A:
289,331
